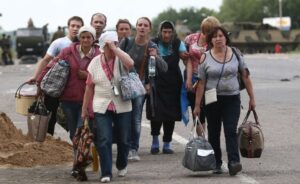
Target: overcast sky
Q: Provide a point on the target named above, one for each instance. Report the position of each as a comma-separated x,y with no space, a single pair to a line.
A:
16,13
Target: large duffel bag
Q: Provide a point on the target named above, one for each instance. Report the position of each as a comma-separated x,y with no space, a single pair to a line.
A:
198,154
250,137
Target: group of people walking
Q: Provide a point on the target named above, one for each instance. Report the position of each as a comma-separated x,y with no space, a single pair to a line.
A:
93,88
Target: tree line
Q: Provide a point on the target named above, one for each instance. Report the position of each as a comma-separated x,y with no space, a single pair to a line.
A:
233,11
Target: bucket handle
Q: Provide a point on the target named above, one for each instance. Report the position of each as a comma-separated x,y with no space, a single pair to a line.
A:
17,94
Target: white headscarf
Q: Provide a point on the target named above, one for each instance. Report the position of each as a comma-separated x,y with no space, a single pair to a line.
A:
107,36
87,29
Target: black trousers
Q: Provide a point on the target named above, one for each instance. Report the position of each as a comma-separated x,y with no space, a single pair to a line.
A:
168,127
227,111
51,104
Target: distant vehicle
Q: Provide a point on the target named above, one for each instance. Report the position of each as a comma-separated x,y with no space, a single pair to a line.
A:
30,41
252,37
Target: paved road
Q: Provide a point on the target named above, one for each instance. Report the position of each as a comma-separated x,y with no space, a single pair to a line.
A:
278,105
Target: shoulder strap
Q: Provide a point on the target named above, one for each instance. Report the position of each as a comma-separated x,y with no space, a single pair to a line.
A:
238,55
142,69
125,44
128,44
121,69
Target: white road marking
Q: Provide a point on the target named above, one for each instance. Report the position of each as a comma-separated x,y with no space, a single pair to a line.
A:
242,177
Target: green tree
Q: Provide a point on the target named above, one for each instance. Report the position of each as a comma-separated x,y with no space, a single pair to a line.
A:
191,17
241,10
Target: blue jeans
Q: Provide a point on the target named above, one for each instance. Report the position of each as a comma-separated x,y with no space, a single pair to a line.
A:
227,110
136,122
72,112
103,139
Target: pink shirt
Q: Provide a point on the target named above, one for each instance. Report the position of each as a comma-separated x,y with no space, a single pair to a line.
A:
107,68
195,50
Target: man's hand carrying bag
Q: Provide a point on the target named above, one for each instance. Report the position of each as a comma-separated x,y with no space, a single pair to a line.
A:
250,137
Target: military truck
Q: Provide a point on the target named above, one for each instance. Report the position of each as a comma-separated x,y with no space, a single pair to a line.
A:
30,41
251,37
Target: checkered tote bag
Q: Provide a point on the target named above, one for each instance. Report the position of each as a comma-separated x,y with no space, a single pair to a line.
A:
53,83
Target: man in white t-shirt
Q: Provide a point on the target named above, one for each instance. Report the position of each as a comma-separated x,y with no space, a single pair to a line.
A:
74,24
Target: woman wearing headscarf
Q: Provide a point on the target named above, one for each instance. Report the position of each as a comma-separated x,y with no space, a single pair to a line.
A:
79,56
103,87
166,90
218,72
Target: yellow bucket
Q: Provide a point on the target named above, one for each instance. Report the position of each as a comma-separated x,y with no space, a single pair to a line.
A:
24,100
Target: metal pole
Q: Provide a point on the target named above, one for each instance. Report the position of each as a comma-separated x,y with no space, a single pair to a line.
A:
280,13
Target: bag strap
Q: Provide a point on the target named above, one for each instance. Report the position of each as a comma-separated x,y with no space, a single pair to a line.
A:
255,117
193,130
222,69
142,69
127,44
86,123
237,56
18,91
17,94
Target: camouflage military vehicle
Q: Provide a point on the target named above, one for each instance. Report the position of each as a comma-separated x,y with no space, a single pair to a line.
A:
252,37
30,41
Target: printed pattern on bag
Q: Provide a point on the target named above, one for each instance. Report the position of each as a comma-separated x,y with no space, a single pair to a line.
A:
131,86
53,83
81,142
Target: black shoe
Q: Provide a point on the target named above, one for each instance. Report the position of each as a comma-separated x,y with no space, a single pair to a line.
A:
168,151
218,170
81,176
154,151
74,173
234,168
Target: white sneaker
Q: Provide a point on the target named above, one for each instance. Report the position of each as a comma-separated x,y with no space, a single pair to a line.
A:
122,172
130,154
135,156
105,179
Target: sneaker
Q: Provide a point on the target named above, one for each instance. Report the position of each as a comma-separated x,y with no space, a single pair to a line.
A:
135,156
154,151
234,168
130,155
167,151
81,176
122,172
105,179
218,170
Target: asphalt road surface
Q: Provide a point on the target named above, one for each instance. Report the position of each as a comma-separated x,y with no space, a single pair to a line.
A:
276,80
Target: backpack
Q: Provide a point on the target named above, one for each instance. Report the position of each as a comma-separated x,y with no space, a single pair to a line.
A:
250,137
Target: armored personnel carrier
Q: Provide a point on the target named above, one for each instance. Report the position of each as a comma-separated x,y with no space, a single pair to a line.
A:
252,37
